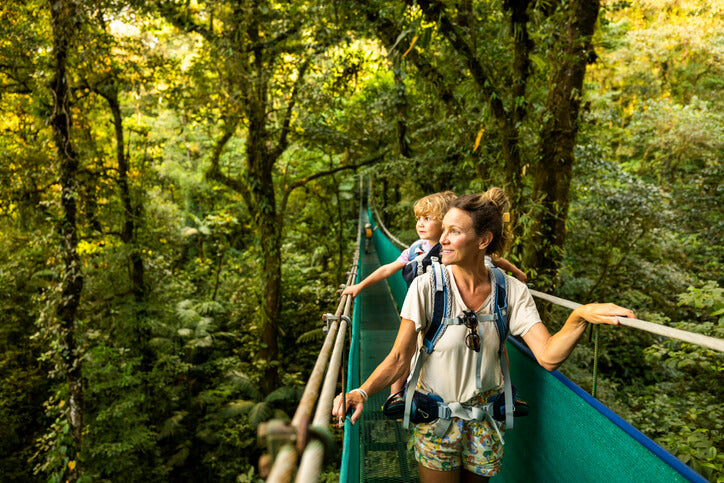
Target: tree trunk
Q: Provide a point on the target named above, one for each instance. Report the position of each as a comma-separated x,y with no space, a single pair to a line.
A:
507,120
269,226
554,169
63,13
131,215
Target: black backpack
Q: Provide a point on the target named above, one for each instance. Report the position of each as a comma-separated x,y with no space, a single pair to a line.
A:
418,265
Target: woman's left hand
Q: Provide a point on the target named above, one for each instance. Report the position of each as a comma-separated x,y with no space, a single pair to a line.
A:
603,313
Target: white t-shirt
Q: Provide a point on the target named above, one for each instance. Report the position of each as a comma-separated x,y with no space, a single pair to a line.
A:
449,370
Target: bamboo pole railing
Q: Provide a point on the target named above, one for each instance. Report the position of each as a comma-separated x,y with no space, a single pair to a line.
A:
301,437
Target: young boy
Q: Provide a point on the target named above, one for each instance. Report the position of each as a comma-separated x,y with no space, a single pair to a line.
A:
429,212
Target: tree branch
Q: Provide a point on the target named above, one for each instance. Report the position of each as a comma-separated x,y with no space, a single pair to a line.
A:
435,12
180,19
388,33
284,136
371,159
214,172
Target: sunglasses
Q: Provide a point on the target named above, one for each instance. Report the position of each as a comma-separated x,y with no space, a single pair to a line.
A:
472,339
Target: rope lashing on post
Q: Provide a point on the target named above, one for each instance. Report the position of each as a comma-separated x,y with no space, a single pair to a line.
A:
658,329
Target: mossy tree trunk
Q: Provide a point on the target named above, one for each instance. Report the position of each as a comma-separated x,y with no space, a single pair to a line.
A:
63,14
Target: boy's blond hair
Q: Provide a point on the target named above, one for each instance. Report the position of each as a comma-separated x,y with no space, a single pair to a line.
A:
434,205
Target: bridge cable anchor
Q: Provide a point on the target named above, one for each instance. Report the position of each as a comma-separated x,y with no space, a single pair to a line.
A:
328,319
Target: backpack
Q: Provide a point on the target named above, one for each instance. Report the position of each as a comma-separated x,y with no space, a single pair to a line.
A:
420,407
421,260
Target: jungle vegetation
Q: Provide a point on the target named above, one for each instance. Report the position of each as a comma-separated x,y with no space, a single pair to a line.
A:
179,198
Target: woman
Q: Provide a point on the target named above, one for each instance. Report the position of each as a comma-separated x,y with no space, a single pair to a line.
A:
469,450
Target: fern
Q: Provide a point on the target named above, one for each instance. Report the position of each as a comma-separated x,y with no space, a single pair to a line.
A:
245,384
281,415
173,424
207,435
201,342
259,413
284,393
210,307
237,408
313,335
186,313
204,326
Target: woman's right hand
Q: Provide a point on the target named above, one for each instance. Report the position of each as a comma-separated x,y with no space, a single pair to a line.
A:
354,401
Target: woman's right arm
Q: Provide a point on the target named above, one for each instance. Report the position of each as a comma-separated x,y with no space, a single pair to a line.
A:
390,369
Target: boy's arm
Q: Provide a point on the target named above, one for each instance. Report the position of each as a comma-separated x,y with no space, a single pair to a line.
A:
504,264
380,274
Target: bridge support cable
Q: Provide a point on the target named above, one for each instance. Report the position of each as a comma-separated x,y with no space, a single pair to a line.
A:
313,441
399,244
658,329
384,229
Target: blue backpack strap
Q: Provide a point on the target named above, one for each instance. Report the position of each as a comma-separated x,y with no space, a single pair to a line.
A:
415,249
440,305
440,311
501,306
418,260
501,324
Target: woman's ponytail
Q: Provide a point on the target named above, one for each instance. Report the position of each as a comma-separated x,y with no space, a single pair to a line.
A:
500,200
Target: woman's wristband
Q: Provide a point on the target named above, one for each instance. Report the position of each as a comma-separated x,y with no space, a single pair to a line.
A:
362,392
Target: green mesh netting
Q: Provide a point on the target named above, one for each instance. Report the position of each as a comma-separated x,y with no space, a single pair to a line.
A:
565,438
376,447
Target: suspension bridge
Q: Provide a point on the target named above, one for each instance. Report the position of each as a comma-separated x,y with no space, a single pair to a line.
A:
568,435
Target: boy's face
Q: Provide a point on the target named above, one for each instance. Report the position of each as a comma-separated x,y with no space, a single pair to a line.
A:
429,228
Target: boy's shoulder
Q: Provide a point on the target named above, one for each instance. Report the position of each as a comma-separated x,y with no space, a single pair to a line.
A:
418,248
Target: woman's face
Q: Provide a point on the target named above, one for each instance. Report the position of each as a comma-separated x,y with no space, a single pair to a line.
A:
460,244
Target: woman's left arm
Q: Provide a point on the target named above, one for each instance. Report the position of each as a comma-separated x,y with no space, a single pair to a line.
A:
552,350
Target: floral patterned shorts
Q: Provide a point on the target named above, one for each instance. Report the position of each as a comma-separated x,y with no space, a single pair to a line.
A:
474,445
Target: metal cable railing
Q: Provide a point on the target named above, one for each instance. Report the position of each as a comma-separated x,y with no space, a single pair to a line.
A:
658,329
285,441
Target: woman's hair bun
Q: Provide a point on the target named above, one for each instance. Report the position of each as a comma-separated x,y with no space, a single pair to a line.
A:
498,198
